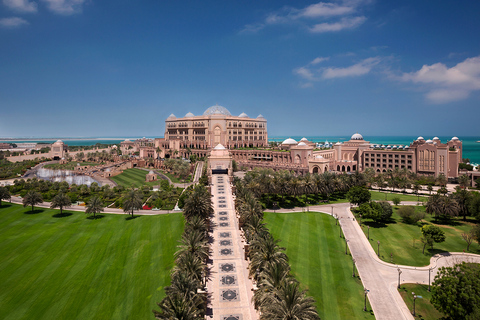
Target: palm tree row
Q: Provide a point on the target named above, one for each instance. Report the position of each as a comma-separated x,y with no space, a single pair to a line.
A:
183,300
278,294
285,183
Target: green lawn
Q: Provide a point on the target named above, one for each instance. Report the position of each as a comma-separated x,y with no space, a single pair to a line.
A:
400,242
133,177
317,257
72,267
69,165
173,178
380,196
423,308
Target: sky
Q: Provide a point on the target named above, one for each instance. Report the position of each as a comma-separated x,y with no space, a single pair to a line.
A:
91,68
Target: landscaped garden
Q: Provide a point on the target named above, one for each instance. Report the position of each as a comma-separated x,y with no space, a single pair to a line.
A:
423,307
72,267
68,166
400,242
133,178
317,258
389,196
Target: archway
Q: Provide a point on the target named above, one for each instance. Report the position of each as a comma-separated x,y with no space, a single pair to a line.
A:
315,170
297,159
343,168
216,137
338,168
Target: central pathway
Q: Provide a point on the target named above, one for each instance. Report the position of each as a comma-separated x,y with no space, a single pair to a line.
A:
229,288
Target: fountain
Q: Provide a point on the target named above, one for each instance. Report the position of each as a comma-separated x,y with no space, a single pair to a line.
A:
65,175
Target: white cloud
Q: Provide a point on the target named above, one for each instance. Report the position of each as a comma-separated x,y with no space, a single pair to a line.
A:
311,74
358,69
65,7
334,16
445,84
13,22
344,23
21,5
318,60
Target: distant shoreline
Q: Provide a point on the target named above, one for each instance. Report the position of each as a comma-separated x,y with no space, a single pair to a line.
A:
54,139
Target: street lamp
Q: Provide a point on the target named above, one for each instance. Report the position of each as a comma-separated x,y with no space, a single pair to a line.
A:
365,304
346,247
429,272
415,297
353,262
340,229
399,273
378,249
368,236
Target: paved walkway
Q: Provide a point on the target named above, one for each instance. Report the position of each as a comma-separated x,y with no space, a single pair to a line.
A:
229,288
380,277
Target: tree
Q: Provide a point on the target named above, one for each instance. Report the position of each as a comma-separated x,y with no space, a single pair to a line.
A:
132,201
456,290
468,237
396,200
430,188
387,210
32,198
476,232
409,214
199,203
370,210
94,205
417,187
358,195
60,201
463,181
4,194
462,197
433,234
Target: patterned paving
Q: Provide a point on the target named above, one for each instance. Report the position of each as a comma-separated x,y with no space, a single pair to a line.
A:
229,288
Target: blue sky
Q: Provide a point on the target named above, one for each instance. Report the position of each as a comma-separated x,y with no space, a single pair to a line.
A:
84,68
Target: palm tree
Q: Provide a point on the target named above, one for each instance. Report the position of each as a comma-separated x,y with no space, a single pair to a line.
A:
291,304
32,198
199,203
270,279
132,201
176,307
190,265
94,205
430,188
449,207
462,197
434,205
194,242
5,194
464,181
265,252
60,201
417,187
442,180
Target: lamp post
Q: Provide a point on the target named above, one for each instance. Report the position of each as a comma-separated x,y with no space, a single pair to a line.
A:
365,304
340,229
346,247
399,273
378,249
429,272
368,235
353,262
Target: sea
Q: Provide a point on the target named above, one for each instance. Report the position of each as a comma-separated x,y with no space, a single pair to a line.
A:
471,146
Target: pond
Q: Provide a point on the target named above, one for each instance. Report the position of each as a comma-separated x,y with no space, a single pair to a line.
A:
65,175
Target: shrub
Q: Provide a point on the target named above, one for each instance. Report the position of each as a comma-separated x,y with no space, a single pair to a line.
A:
410,215
387,210
396,201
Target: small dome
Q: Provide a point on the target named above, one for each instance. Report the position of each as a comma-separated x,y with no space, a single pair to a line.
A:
302,144
172,116
260,116
59,141
151,172
243,115
216,109
455,139
127,140
338,143
420,138
108,170
429,141
189,115
219,147
289,141
435,139
357,136
304,139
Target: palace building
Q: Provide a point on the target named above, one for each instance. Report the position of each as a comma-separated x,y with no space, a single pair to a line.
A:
246,140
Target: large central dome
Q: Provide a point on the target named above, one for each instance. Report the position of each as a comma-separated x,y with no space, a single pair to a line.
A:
216,109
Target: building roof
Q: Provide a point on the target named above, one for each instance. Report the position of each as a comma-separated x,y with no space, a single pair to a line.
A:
260,116
304,139
302,143
357,136
243,115
188,115
289,141
216,109
455,139
420,138
172,116
429,141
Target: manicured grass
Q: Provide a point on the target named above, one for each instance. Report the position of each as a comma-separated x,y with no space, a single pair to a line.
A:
423,308
317,257
69,165
173,178
402,240
380,196
133,177
72,267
